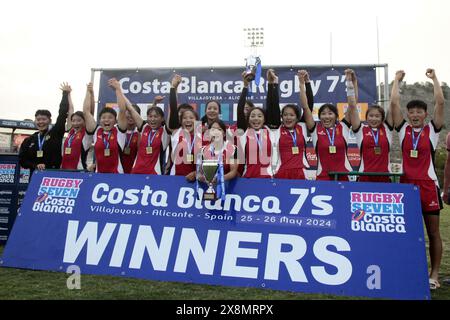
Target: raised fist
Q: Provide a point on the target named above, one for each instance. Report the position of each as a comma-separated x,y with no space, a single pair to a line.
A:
399,75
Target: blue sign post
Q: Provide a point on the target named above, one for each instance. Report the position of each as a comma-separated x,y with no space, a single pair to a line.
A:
353,239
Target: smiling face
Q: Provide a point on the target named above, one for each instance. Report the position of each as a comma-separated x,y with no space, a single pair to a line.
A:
42,122
374,118
327,118
77,122
416,117
154,119
107,121
256,119
212,111
289,118
216,132
188,121
130,121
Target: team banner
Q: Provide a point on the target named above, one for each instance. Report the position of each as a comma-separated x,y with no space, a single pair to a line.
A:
353,239
225,85
13,184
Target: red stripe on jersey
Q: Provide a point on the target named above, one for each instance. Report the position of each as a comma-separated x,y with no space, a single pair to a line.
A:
146,162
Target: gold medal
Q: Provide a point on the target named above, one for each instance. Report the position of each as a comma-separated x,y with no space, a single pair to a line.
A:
39,153
377,150
68,150
332,149
295,150
414,154
149,150
190,158
127,150
107,153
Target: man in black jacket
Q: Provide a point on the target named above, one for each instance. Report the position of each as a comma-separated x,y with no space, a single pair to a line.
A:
42,150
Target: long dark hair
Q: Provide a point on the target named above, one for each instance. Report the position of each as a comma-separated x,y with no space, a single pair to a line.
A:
251,110
205,118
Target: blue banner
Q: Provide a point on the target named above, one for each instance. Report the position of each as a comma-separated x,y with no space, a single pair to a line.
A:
353,239
13,184
225,85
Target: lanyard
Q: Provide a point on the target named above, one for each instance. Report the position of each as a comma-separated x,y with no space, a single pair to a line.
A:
191,145
376,136
106,142
71,138
415,140
213,154
294,137
331,139
128,140
41,141
151,137
259,140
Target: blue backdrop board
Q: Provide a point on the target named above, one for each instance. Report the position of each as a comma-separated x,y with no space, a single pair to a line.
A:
13,184
353,239
225,85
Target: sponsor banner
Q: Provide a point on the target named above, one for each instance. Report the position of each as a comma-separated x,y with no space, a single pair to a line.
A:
225,85
9,193
341,238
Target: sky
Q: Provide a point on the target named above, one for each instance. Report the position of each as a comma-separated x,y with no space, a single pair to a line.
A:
44,43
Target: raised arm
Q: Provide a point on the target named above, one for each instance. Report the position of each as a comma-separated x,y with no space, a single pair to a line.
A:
438,117
273,101
88,116
241,120
122,102
69,113
352,93
173,119
309,96
307,113
394,109
91,90
60,125
156,100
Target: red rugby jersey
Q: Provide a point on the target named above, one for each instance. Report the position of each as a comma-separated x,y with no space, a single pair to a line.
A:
130,150
116,141
182,147
148,161
327,161
257,146
372,158
74,149
291,162
421,165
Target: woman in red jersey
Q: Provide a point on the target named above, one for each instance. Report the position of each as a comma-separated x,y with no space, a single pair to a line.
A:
419,141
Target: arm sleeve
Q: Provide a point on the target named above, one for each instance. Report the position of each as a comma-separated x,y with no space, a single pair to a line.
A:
310,97
60,126
241,121
174,122
273,107
24,159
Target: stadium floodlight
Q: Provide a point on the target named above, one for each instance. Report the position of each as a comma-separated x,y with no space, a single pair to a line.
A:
253,38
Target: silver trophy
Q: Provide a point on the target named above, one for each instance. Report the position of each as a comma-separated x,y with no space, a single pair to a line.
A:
209,168
250,67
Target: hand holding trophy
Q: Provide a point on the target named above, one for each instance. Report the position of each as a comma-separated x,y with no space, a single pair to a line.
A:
254,38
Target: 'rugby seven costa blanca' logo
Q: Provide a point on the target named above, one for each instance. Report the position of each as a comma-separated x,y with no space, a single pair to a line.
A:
377,212
57,195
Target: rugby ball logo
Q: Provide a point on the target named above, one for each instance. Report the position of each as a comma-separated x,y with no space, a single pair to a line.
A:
358,215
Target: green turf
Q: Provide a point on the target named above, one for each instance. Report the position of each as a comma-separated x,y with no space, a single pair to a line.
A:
26,284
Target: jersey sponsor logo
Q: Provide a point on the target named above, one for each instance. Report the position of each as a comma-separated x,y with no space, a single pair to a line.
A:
377,212
57,195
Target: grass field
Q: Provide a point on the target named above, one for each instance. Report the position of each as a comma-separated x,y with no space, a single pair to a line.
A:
26,284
